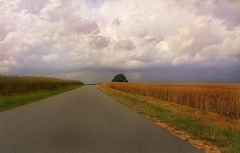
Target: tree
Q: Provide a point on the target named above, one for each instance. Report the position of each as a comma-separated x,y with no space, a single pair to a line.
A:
119,78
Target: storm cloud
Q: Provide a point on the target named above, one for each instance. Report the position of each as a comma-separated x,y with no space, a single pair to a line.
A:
148,40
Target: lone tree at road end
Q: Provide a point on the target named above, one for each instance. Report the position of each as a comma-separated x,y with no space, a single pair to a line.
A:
119,78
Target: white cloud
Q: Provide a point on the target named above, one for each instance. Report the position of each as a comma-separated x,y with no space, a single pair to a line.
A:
6,63
50,57
81,34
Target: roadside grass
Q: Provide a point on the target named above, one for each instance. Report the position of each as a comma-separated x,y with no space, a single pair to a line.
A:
9,102
226,138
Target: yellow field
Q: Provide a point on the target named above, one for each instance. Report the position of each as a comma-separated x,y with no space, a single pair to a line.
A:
219,98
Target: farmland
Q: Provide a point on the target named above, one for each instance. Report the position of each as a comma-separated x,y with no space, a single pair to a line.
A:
16,91
223,99
19,85
205,115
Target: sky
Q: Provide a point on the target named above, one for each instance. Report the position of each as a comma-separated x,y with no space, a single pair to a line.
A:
147,40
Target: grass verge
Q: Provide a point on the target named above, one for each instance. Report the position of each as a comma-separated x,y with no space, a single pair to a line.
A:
203,134
9,102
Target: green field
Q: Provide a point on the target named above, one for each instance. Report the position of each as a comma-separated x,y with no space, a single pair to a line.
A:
16,91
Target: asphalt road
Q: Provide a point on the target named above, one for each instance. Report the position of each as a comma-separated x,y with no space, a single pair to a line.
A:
84,120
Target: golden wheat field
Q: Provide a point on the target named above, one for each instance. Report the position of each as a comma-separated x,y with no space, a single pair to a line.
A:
219,98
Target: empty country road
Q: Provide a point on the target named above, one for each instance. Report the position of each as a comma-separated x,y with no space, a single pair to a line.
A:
84,120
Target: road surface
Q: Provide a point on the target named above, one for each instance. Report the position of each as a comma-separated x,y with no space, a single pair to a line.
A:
84,120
